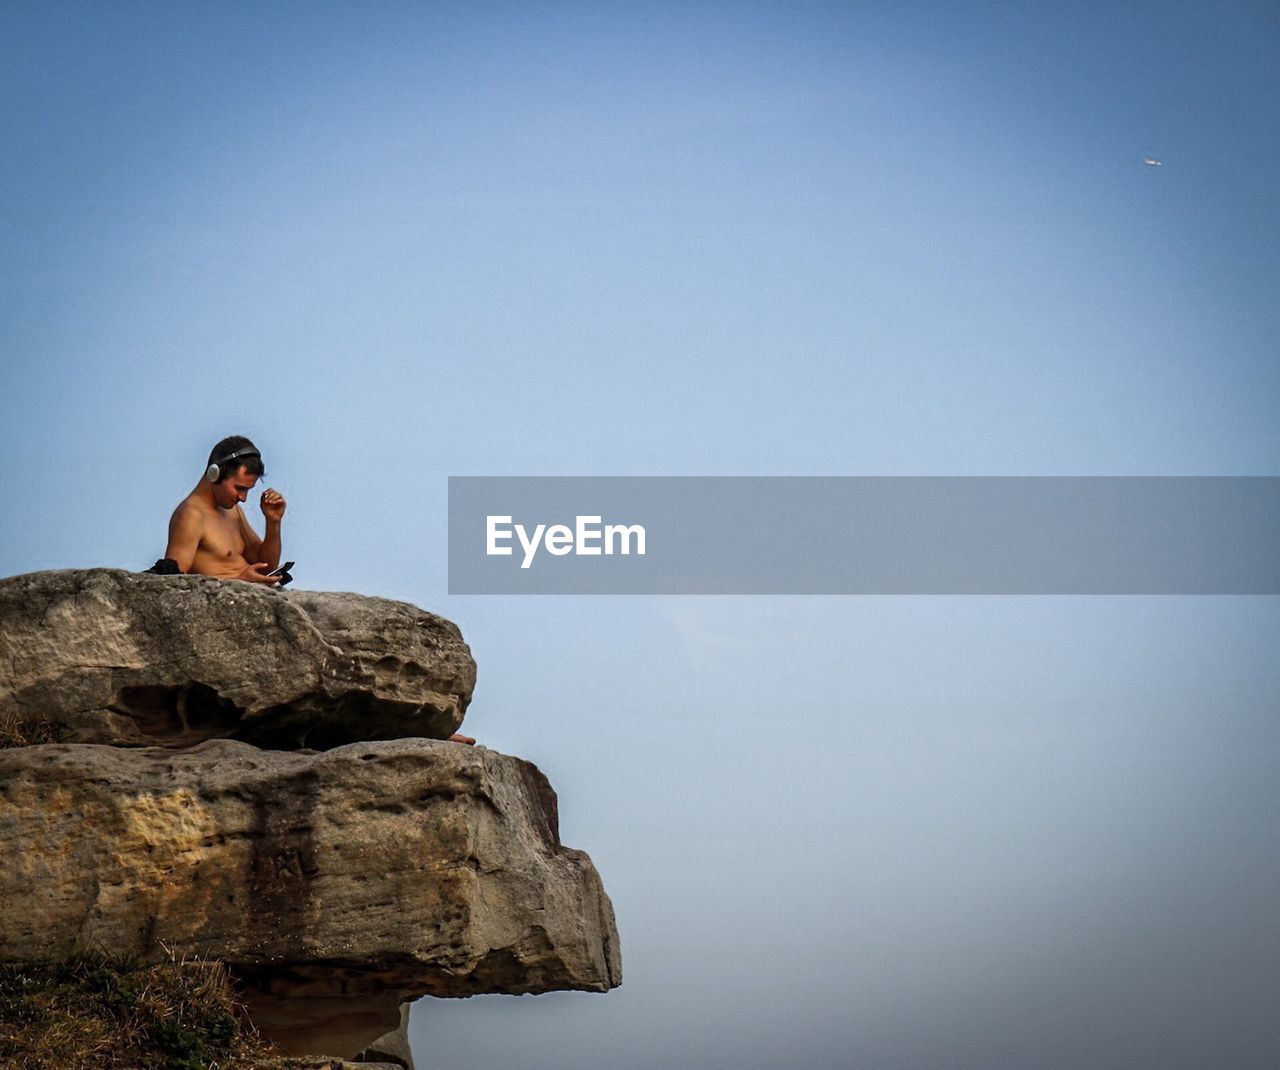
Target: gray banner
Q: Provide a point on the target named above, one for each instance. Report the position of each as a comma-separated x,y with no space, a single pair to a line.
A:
864,535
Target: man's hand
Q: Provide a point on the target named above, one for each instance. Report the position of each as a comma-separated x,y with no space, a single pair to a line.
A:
255,574
273,504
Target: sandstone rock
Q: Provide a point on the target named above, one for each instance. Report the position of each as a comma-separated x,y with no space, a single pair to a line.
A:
335,885
392,1048
105,656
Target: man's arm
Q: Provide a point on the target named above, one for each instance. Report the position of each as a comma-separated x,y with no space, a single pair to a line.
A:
265,550
184,537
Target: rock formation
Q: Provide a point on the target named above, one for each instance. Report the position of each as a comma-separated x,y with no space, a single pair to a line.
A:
338,880
113,657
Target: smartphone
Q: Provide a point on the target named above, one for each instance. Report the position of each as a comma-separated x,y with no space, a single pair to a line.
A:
282,569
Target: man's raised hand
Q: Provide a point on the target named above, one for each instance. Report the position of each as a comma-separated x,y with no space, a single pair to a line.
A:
254,574
273,504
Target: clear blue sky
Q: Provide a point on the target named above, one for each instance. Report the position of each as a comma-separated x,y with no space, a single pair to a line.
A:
398,242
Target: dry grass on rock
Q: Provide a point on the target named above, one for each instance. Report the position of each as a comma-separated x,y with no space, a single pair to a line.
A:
93,1013
15,732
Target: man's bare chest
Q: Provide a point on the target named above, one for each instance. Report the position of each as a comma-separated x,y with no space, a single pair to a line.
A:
222,535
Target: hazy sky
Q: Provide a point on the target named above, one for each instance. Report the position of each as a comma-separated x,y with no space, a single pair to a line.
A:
398,242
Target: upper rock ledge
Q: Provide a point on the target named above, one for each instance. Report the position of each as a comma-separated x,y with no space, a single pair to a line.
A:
108,656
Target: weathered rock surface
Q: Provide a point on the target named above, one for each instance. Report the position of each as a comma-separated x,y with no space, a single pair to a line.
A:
392,1049
107,656
335,885
248,775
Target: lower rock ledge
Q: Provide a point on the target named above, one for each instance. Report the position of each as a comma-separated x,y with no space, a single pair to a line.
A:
335,886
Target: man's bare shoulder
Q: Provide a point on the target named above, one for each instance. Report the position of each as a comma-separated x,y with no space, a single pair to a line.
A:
190,511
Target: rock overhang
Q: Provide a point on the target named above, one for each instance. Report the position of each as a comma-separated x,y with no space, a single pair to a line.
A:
262,777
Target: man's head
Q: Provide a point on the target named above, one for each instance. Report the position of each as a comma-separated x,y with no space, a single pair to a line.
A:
234,467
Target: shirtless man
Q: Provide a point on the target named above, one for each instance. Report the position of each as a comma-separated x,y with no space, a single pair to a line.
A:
209,533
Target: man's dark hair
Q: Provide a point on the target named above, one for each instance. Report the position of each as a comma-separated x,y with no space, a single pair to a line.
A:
231,444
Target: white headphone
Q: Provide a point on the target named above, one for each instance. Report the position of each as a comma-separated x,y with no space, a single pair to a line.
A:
214,472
